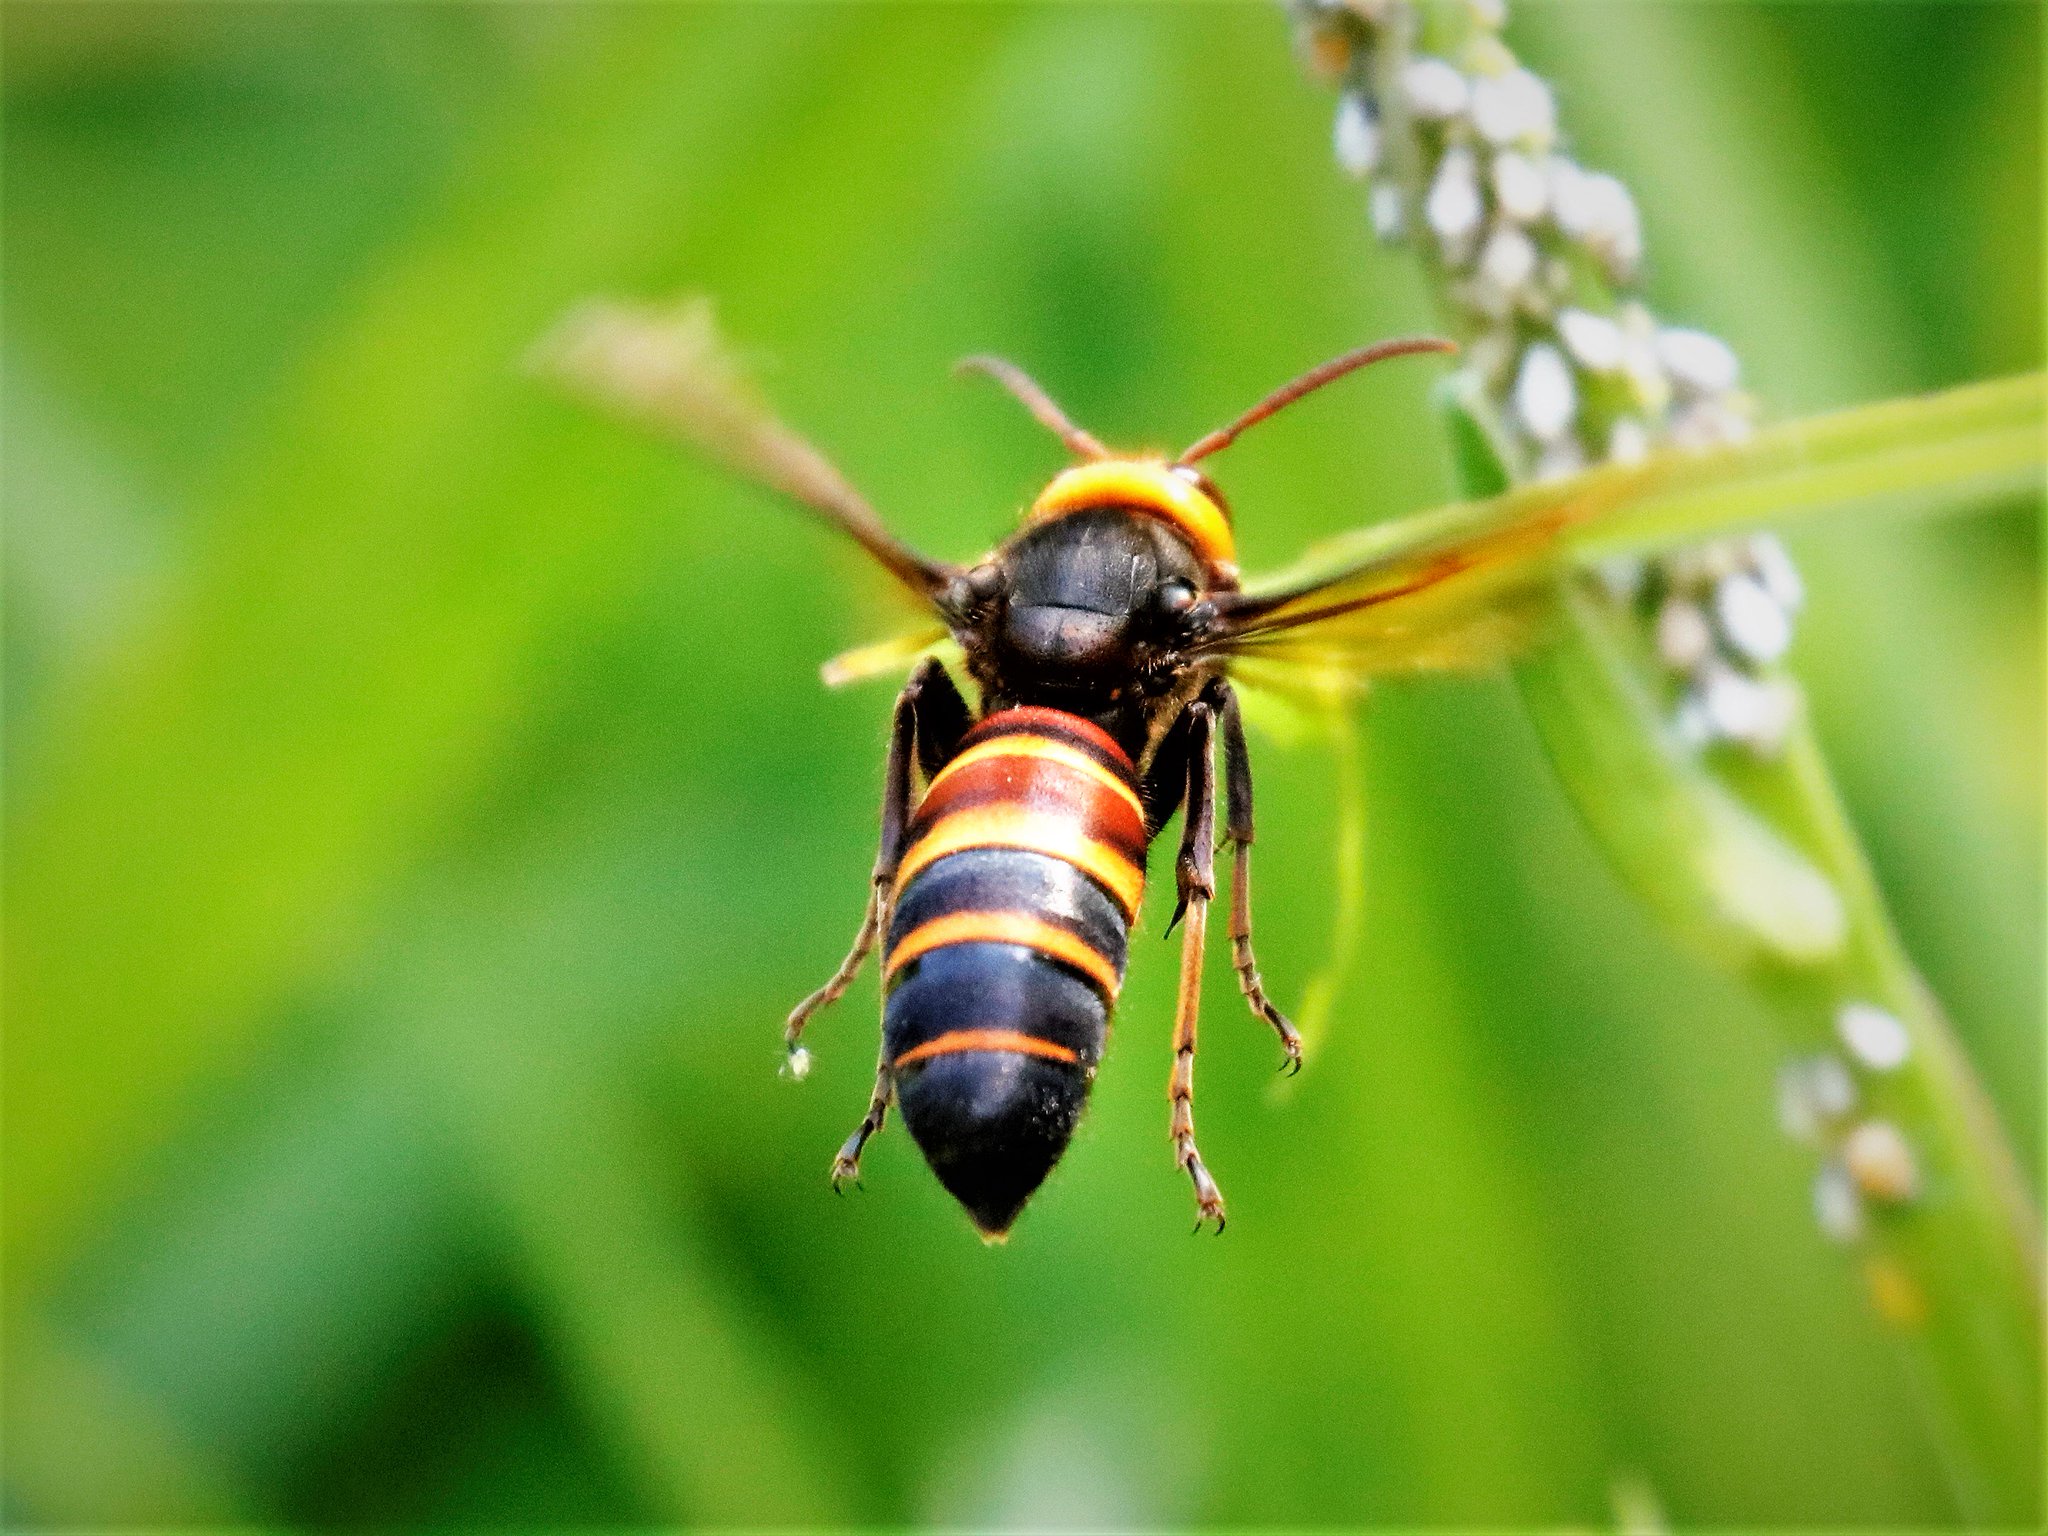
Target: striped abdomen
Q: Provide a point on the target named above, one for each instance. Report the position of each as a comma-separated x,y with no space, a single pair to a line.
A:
1021,874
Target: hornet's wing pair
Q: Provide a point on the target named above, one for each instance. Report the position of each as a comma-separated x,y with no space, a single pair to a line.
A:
1454,588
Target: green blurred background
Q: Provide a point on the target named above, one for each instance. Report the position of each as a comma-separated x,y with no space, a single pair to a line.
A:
421,806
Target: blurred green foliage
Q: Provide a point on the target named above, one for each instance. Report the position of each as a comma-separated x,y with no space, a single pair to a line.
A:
421,808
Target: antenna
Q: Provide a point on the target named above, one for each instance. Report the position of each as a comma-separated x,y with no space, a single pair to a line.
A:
1034,400
1314,379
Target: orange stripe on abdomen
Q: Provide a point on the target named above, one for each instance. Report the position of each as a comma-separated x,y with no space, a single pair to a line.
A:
986,1040
1021,928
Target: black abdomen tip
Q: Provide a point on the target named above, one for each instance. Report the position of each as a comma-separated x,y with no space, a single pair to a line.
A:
992,1124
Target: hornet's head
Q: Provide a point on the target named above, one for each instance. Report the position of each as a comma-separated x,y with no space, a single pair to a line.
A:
1106,575
1110,577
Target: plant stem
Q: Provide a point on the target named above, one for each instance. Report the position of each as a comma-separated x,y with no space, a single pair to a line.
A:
1679,736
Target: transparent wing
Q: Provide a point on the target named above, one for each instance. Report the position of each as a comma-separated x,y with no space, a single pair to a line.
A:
892,657
1470,583
668,369
1441,604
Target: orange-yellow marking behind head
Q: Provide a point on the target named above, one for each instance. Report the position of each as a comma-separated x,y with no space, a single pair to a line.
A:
1151,488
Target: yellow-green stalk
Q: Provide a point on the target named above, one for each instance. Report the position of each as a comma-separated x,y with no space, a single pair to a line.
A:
1671,718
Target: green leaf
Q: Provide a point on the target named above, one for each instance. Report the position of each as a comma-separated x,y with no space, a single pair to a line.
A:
1941,453
1956,451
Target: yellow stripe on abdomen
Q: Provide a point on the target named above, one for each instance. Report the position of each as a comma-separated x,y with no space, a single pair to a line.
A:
1006,928
1036,831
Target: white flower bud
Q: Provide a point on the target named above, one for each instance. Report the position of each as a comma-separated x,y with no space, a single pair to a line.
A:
1593,340
1698,362
1684,638
1545,398
1834,1090
1508,260
1780,708
1454,207
1750,619
1837,1208
1514,108
1712,422
1689,723
1596,209
1628,441
1813,1093
1757,712
1520,187
1435,89
1774,568
1356,137
1880,1160
1736,706
1795,1106
1874,1037
1389,212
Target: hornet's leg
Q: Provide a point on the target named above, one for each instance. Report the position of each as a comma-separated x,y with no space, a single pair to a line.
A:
929,720
1195,870
846,1166
1237,791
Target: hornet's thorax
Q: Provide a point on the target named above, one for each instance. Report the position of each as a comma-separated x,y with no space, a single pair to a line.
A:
1093,605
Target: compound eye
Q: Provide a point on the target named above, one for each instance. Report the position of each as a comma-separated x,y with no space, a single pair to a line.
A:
1176,598
976,588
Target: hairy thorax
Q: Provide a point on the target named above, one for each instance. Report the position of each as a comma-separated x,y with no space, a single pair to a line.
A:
1090,614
